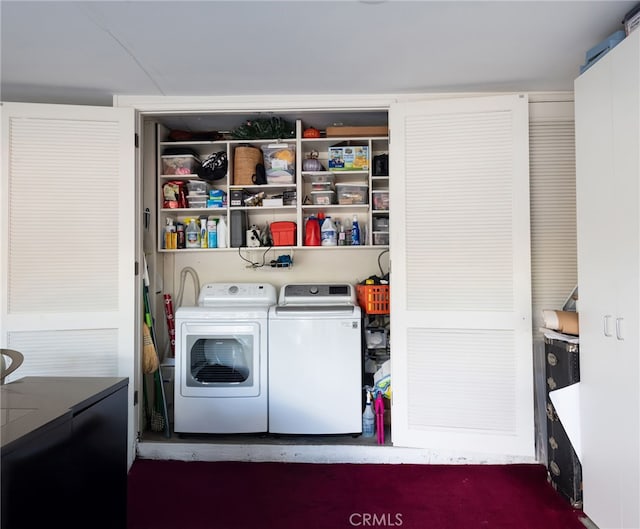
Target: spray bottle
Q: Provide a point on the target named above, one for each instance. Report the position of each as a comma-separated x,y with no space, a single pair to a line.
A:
204,239
368,419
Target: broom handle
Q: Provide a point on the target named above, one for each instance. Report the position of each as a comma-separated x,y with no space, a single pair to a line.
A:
158,373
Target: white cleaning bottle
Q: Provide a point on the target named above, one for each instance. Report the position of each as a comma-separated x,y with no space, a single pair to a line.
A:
204,239
192,234
328,233
222,233
368,419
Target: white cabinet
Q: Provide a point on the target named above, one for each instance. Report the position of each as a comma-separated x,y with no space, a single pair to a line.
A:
608,203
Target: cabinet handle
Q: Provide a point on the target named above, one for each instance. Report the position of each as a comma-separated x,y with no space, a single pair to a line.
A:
605,329
619,328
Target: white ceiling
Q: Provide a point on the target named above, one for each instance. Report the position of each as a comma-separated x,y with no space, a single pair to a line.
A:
83,52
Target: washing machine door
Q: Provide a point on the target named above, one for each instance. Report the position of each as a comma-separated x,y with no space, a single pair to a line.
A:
219,360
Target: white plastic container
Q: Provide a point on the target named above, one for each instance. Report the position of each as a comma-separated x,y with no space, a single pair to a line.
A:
352,193
323,198
184,164
328,235
221,233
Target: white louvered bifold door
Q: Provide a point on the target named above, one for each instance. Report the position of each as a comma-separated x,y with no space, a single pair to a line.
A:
460,278
68,239
554,269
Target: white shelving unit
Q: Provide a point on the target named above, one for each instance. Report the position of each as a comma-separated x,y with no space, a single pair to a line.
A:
298,212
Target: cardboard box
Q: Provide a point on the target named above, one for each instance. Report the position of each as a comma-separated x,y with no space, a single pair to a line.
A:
376,130
350,158
272,202
631,20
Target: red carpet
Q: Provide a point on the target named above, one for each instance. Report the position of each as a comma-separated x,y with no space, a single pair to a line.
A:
228,495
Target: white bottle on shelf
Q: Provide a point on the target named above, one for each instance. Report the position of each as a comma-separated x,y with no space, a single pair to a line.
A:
192,234
222,233
328,233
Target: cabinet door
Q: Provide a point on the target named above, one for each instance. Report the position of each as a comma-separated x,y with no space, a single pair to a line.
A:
626,141
607,146
460,300
597,305
68,225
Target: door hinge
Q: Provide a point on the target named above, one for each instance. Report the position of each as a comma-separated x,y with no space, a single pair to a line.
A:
136,140
136,268
135,397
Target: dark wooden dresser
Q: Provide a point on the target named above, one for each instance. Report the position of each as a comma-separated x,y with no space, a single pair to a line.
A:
64,452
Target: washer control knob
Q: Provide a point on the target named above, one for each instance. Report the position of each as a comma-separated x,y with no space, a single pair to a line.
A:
233,289
313,290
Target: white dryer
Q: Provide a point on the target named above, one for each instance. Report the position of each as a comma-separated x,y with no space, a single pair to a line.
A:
315,360
221,360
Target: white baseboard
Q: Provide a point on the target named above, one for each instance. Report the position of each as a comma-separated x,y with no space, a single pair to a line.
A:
314,454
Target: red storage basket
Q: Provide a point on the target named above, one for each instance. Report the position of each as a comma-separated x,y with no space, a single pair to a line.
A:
373,299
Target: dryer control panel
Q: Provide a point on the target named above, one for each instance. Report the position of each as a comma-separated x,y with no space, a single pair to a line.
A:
317,294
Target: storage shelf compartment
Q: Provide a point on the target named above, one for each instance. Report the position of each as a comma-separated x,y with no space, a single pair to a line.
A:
303,181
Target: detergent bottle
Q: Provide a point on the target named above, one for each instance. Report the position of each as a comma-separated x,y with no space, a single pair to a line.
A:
192,235
222,233
355,232
312,232
328,233
368,419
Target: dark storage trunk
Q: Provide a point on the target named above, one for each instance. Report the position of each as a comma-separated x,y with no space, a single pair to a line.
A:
564,468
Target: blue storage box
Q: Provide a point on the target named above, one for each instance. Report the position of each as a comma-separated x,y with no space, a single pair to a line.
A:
601,49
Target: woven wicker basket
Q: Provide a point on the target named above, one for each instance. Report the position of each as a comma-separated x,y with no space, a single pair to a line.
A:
245,159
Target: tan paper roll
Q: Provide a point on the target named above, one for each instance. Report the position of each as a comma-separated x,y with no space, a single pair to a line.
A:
561,321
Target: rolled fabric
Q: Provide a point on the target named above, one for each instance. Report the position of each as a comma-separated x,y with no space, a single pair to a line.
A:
561,321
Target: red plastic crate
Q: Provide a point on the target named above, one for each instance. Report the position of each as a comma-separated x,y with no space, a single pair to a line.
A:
283,233
373,299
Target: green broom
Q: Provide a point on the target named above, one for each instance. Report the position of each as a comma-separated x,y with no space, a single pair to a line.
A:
159,415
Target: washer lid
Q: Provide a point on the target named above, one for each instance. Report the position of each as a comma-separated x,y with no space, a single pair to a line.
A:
317,294
226,294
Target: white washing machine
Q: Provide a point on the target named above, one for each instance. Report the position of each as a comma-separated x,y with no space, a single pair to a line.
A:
221,360
315,360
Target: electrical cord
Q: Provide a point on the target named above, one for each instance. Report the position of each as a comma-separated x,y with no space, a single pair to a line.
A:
256,264
382,274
